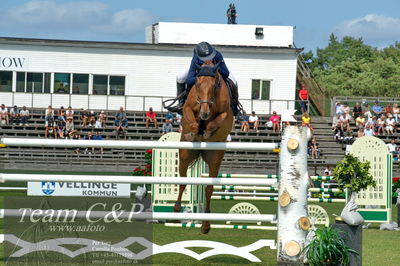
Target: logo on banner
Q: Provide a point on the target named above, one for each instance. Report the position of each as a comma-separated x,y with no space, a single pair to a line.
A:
48,187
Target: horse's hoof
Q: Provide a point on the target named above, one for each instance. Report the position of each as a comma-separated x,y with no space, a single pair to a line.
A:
205,227
177,206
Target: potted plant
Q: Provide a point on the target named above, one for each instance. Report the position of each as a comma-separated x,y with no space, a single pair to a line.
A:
327,248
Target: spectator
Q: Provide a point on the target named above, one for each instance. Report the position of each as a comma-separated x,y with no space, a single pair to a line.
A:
335,121
390,124
62,112
380,124
357,111
360,121
306,121
76,90
69,126
303,96
338,133
102,118
396,112
360,132
345,121
61,89
60,116
167,126
60,126
151,117
314,149
388,110
346,109
121,121
244,123
84,118
69,113
50,128
368,131
3,115
392,147
14,115
178,120
24,115
275,122
49,113
169,116
371,122
377,110
98,123
328,171
253,121
98,137
338,108
74,135
89,136
367,111
348,137
92,119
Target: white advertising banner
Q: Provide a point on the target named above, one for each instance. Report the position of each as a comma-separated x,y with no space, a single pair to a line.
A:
79,189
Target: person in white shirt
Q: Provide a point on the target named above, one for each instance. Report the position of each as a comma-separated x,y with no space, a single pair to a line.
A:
3,114
253,121
49,114
69,113
390,124
392,147
345,121
369,131
338,108
24,115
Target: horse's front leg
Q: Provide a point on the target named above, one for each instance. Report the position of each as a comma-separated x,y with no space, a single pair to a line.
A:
191,121
214,124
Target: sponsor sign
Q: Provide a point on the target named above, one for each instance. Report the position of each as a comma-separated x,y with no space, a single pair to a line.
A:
77,189
8,62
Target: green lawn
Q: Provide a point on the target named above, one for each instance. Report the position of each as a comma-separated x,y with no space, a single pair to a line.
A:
379,247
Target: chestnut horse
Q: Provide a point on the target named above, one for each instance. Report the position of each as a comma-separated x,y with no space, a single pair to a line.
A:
207,116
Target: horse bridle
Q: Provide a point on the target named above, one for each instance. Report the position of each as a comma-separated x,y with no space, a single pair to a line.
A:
210,102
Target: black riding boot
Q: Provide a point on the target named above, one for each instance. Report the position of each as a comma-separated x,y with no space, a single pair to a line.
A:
181,98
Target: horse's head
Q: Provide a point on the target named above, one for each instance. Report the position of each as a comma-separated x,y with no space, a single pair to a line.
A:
208,80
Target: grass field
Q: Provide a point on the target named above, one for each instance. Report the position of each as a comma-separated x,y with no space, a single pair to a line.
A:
379,247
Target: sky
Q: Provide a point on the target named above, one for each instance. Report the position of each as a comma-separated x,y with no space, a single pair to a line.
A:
377,22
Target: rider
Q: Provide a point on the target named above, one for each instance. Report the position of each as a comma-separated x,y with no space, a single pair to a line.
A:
203,52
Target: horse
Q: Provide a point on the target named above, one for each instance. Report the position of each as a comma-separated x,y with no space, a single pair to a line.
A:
207,116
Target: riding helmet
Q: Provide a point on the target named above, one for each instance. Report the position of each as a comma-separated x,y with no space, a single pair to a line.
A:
205,51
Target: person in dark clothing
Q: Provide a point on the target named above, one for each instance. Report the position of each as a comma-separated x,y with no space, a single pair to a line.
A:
203,52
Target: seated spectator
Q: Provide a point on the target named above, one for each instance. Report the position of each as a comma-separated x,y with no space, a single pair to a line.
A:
344,121
275,122
377,110
178,121
3,115
151,117
24,115
69,113
348,136
167,126
69,126
84,118
89,136
345,109
49,114
371,122
50,128
169,116
74,135
306,121
60,126
338,133
392,147
380,125
121,119
62,112
92,119
102,118
368,131
367,111
360,132
360,121
335,120
14,115
253,121
98,123
357,111
98,137
244,122
390,125
314,149
396,112
388,110
338,108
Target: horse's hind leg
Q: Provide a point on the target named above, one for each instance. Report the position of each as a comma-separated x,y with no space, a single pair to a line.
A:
213,159
185,158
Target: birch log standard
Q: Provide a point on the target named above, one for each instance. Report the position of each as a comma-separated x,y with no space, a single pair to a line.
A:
293,188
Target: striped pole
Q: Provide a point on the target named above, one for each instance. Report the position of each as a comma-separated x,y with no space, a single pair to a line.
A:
227,175
251,188
223,226
272,198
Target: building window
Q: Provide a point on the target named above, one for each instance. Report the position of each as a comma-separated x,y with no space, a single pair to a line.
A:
6,81
117,85
100,83
21,81
34,82
47,82
80,84
62,82
260,89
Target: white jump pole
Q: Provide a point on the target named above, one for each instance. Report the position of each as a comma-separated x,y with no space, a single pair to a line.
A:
129,144
222,226
136,179
26,213
313,177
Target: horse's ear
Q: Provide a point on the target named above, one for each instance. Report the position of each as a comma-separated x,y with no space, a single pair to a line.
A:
216,67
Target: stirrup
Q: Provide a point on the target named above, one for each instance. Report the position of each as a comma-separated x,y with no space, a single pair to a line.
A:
178,107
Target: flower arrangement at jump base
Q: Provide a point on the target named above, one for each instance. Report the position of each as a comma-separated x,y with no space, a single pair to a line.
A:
146,170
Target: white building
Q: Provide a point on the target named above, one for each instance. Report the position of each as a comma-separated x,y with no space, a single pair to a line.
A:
107,75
